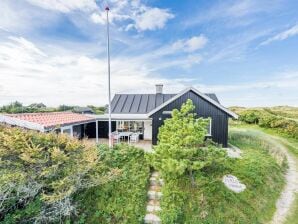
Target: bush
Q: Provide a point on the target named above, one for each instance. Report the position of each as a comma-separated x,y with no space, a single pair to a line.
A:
39,173
123,200
250,116
267,119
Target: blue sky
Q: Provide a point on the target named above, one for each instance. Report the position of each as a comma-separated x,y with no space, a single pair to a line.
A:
54,51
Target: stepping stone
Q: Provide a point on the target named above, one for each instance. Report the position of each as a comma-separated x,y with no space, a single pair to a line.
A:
155,188
153,202
153,208
155,174
154,195
156,181
152,219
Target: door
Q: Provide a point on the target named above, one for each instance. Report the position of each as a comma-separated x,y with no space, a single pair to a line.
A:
148,130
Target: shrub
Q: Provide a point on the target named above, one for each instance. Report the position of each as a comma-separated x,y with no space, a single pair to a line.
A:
48,168
250,116
123,200
266,119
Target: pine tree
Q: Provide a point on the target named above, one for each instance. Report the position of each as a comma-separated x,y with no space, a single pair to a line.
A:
182,147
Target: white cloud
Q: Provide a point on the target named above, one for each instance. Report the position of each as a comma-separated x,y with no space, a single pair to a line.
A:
28,74
98,18
293,31
152,19
65,6
19,17
138,15
192,44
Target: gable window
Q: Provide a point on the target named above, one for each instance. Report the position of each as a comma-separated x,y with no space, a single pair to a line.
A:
167,112
209,127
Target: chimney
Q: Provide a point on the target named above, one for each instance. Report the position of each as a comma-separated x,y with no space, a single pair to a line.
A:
159,88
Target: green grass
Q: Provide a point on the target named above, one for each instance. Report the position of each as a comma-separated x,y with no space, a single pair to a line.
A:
290,143
293,216
211,202
120,201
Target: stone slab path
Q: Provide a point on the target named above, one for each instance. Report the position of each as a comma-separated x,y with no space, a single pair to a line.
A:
154,196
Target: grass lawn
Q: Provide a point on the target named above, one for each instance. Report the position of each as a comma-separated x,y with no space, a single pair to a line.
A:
120,201
211,202
292,145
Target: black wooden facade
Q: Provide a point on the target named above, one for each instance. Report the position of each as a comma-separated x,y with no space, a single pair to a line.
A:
205,109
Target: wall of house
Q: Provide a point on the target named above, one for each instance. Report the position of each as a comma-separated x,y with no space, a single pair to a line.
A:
203,109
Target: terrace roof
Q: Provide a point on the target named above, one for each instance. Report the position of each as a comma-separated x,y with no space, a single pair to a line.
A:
45,120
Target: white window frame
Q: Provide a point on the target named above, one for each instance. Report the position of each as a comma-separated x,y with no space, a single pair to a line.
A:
209,131
64,128
167,112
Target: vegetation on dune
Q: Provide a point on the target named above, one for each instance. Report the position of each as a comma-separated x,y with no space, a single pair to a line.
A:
49,178
52,178
211,202
39,174
271,118
281,123
123,200
203,198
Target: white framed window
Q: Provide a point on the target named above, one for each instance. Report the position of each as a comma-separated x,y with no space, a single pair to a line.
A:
133,126
67,130
209,127
167,112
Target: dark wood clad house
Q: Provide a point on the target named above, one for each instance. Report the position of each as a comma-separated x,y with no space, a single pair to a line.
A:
145,113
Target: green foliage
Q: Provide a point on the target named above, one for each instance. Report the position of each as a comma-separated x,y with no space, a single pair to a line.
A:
267,119
181,147
46,166
26,215
97,110
183,153
250,116
211,202
123,200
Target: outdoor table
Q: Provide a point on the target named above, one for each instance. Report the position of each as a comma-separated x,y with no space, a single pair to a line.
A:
125,134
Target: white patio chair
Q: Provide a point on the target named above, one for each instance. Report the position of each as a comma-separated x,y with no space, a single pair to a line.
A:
116,137
134,138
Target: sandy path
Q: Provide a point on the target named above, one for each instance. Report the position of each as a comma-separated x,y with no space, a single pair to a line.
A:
284,203
287,197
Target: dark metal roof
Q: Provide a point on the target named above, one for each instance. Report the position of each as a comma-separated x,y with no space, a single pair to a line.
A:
142,103
213,96
83,110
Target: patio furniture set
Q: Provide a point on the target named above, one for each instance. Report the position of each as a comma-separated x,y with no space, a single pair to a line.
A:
132,137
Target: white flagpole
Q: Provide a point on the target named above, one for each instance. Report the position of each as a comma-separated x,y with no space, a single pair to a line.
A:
109,78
